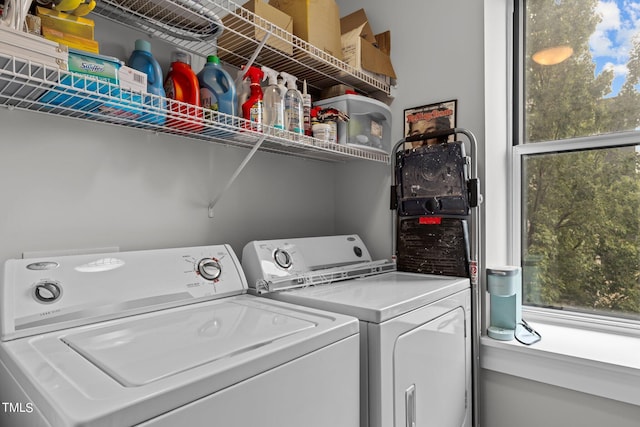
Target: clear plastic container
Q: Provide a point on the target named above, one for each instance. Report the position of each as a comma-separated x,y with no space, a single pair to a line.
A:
322,131
369,125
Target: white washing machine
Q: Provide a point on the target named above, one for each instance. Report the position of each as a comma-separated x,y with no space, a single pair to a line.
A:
167,338
415,329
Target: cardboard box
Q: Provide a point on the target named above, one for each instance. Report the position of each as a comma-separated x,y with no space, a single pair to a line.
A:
66,23
336,90
269,13
383,41
101,67
133,80
359,45
316,22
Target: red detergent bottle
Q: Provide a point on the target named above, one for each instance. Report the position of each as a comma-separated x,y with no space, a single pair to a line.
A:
181,84
252,109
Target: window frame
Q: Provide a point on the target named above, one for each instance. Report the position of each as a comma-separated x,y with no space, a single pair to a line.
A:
519,150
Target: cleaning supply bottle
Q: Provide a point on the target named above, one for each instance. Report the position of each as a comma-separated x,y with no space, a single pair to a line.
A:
252,108
142,60
293,115
273,114
181,84
217,89
306,109
283,88
243,90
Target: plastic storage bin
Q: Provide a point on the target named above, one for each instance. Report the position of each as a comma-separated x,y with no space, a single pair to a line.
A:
369,125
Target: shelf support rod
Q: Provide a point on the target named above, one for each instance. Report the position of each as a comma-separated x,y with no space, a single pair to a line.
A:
246,160
255,147
240,77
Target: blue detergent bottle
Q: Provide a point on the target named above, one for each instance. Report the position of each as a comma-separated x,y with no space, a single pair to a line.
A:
217,88
142,60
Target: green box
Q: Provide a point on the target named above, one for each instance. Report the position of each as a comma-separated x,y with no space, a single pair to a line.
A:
100,66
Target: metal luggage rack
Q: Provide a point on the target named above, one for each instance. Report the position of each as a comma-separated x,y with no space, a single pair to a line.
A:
196,26
23,84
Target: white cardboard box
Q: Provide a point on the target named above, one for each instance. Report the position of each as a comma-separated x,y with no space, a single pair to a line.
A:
133,80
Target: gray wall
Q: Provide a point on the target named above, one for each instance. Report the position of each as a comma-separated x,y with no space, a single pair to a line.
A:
437,55
515,402
68,184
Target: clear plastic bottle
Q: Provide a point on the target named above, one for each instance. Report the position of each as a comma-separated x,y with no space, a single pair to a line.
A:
293,112
272,101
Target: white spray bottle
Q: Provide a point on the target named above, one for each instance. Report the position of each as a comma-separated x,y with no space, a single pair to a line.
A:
272,101
293,112
283,88
243,89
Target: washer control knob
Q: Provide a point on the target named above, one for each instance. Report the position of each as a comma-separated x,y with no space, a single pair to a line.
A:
47,292
282,258
209,268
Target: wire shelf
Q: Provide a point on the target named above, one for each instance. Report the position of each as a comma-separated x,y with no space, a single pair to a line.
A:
223,28
33,86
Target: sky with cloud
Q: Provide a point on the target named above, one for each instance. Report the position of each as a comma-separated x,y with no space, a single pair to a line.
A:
611,42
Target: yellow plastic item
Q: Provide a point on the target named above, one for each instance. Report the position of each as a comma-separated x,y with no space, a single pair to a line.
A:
66,5
66,23
71,40
84,8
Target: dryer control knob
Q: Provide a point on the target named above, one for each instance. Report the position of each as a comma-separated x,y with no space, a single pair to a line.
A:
209,268
47,292
282,258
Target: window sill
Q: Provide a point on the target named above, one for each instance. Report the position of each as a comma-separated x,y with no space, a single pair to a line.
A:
597,363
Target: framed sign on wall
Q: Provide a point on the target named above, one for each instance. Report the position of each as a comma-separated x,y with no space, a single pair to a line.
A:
430,118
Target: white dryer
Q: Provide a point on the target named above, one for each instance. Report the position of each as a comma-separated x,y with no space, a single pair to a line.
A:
415,329
167,338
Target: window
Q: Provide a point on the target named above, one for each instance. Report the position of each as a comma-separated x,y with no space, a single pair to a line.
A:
577,154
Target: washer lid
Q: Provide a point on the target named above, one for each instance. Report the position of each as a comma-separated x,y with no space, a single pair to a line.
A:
142,351
377,298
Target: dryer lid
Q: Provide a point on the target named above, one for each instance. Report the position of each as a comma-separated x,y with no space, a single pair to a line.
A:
145,350
377,298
